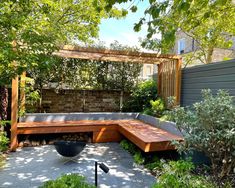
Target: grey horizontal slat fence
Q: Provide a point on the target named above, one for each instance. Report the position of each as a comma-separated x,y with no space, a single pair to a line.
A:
215,76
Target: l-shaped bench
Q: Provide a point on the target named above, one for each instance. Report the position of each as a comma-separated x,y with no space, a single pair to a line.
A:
147,137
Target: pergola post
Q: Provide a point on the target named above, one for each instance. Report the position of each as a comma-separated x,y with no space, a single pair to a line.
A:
22,91
14,114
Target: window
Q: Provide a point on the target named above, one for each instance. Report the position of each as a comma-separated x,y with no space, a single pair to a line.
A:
148,71
181,46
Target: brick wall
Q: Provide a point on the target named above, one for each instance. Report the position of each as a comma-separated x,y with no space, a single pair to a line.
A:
81,100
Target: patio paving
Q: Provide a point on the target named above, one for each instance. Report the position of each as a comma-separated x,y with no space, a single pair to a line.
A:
30,167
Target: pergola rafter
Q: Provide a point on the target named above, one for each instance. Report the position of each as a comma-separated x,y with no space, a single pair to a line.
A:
113,55
169,73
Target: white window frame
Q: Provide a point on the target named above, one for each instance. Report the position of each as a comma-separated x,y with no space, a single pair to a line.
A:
181,46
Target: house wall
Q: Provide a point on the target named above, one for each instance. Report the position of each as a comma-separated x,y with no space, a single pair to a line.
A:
81,101
215,76
188,42
145,74
218,55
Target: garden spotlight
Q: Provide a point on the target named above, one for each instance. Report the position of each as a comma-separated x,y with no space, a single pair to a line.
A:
103,167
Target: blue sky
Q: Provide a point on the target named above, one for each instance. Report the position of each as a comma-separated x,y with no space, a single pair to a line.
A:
122,29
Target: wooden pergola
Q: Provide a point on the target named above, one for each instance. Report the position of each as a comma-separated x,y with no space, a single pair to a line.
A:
169,74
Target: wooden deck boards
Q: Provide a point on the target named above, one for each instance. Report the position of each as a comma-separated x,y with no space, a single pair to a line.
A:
146,137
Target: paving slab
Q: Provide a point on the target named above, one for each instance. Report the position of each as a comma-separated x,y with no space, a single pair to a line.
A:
30,167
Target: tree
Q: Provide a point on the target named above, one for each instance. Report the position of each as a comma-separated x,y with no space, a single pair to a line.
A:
114,75
86,74
38,28
32,30
209,22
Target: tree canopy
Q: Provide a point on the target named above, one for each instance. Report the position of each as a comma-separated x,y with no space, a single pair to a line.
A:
31,30
209,22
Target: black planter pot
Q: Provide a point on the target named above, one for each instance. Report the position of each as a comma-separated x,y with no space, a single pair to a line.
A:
69,148
197,157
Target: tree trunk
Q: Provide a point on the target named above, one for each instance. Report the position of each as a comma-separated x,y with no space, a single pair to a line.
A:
209,55
3,102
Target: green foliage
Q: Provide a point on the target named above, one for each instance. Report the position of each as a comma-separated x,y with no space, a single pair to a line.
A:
87,74
68,181
38,28
3,137
122,76
209,23
127,145
209,128
171,102
206,26
157,107
3,102
154,165
141,96
178,174
148,111
133,150
138,157
32,96
3,141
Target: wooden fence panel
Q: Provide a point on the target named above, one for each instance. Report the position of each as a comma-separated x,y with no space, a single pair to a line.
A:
169,79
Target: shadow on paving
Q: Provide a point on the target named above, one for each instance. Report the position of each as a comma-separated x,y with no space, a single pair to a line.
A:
30,167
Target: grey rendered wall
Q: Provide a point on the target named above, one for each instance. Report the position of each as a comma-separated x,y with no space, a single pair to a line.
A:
220,75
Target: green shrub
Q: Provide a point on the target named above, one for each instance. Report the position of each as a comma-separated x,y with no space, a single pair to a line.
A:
133,150
157,107
138,157
68,181
3,137
141,96
178,174
148,111
127,145
3,141
32,97
154,165
209,127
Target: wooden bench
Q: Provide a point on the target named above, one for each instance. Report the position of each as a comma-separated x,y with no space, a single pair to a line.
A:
146,137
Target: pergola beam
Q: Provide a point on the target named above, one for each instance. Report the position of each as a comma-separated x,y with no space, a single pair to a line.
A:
112,55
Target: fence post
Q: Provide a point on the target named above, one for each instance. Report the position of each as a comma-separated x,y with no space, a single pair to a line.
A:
178,81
